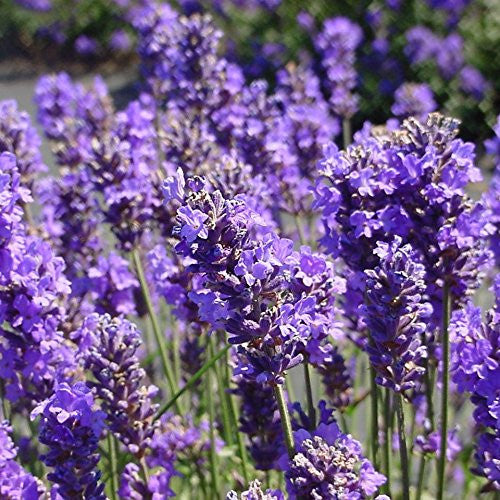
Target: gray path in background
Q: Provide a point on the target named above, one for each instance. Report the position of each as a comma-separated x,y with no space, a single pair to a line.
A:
20,86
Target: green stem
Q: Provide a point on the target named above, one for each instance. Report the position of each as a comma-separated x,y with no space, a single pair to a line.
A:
309,396
374,417
113,465
192,381
239,440
403,452
387,440
159,337
346,132
420,481
214,473
286,424
444,400
226,420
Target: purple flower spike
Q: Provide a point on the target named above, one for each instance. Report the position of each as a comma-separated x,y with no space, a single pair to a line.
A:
71,428
395,314
329,464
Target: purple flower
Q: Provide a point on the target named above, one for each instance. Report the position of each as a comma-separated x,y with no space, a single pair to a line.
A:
109,350
473,83
260,421
18,136
70,427
329,464
413,99
85,45
395,314
15,482
337,44
255,492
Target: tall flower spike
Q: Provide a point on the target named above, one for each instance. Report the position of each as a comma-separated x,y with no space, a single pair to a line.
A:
33,350
70,427
260,421
395,313
109,350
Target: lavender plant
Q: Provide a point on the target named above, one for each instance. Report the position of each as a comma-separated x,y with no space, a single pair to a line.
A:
208,297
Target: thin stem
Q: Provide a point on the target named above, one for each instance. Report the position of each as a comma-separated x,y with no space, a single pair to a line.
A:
239,440
214,473
387,440
403,452
286,424
346,132
192,381
374,416
159,337
300,230
144,470
113,465
226,420
420,481
309,395
444,400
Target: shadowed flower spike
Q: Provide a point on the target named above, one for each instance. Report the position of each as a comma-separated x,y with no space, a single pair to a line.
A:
70,427
395,314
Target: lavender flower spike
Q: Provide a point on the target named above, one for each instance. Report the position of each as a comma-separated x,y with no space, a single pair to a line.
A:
109,349
71,428
394,314
255,492
329,464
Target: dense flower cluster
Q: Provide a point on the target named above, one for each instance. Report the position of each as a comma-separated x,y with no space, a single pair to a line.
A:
409,183
15,482
395,315
329,464
32,292
476,368
71,428
108,349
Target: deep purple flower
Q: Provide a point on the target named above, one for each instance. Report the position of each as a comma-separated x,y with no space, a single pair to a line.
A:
475,368
70,427
86,45
260,421
473,83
